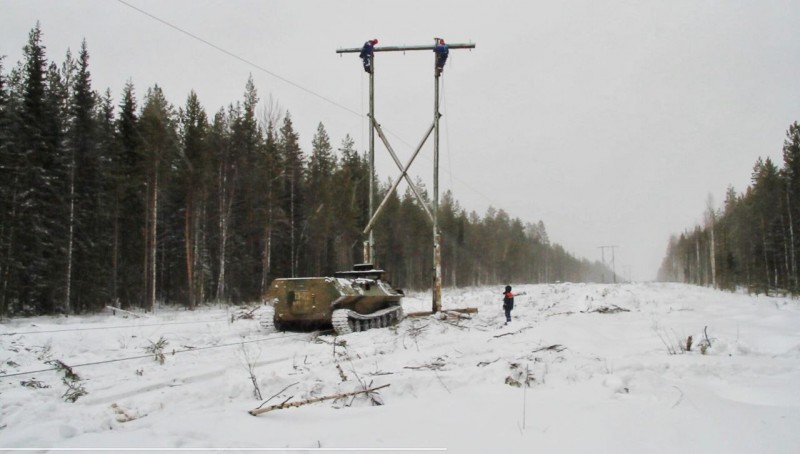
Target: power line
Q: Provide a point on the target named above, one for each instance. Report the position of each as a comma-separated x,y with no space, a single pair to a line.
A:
174,352
296,85
254,65
241,59
110,327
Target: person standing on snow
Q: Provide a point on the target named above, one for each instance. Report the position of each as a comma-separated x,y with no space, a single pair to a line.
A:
441,51
366,54
508,303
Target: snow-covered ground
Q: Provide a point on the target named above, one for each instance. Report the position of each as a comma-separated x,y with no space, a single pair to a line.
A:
597,381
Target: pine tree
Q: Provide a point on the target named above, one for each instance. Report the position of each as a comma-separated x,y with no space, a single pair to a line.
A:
159,139
194,178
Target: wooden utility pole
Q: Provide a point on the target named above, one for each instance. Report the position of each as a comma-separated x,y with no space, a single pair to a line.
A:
369,247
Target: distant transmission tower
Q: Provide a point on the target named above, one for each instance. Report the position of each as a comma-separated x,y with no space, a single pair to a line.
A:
613,262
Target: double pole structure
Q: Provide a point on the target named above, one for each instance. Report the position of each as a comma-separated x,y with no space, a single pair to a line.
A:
369,245
613,262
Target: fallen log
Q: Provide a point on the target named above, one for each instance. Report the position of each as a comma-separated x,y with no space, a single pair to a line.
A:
258,411
115,309
245,314
419,314
613,309
515,332
464,310
555,347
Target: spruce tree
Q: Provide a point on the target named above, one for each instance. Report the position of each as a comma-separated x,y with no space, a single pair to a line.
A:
38,247
293,163
319,210
249,214
6,187
90,207
128,213
791,169
351,191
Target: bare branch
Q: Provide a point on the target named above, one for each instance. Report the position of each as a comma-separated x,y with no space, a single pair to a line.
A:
277,394
258,411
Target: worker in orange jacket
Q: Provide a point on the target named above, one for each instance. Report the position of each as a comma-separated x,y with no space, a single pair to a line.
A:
508,303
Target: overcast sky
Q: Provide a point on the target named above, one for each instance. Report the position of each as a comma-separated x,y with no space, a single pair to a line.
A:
610,121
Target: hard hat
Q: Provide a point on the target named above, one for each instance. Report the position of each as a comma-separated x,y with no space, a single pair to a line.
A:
375,41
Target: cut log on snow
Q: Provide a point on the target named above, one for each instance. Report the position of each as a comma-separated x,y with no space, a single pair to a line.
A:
245,314
465,310
258,411
613,309
555,347
115,309
419,314
515,332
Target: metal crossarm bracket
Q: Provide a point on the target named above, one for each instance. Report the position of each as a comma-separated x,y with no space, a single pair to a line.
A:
405,48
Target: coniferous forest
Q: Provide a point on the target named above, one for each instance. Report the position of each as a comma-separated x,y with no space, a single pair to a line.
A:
753,240
131,201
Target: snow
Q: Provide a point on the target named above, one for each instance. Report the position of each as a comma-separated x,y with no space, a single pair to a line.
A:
598,382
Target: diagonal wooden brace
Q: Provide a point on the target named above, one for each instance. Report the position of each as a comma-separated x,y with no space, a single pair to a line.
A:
397,182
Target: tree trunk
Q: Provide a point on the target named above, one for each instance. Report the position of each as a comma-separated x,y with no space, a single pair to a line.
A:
200,251
698,267
152,240
226,205
71,234
145,257
713,257
292,226
785,251
8,239
115,254
792,245
266,256
188,244
766,260
223,236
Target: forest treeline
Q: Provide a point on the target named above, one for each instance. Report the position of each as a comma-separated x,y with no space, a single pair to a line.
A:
136,201
753,240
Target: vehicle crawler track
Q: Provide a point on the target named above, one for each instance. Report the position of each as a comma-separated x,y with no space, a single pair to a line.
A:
267,320
346,321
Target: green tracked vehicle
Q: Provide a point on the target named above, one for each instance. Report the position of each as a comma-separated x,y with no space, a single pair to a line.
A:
349,301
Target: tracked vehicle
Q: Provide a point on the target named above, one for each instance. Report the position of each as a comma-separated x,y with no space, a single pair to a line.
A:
349,301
